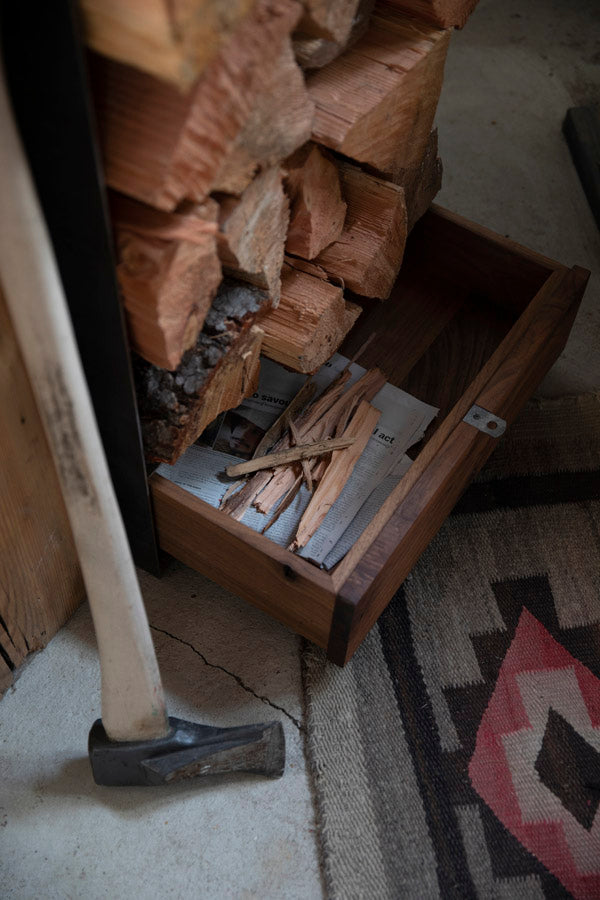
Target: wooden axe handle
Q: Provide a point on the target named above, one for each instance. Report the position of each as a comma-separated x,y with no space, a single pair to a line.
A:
133,706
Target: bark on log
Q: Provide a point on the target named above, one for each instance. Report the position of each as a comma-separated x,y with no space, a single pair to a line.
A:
215,375
309,324
172,41
161,146
253,232
169,271
376,103
317,210
280,122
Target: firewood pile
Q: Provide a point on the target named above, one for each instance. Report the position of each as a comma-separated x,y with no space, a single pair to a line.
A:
263,158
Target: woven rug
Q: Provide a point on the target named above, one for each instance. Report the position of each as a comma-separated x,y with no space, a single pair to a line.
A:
458,753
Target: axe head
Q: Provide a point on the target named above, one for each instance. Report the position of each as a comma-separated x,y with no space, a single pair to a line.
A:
188,750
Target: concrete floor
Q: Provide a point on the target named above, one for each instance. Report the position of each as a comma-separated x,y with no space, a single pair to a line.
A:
510,77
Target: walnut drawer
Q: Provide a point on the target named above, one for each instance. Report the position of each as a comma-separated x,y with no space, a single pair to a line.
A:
474,319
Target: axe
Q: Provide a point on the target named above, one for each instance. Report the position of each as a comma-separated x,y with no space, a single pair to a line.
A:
135,742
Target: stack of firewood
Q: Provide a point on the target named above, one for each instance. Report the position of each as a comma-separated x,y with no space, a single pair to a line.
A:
263,157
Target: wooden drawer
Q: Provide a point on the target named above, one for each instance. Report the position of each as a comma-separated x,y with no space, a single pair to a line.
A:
474,319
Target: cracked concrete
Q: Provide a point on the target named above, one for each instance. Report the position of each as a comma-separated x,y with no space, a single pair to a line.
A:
243,836
235,677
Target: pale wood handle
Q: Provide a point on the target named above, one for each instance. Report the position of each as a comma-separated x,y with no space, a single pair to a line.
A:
133,704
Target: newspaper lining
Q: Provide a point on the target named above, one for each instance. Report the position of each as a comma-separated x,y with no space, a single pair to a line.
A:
235,434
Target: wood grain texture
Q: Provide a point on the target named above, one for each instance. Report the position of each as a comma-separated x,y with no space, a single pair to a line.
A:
173,41
368,254
500,269
287,587
317,209
169,271
376,102
161,146
490,343
280,121
309,324
285,457
379,561
252,232
214,375
444,13
39,572
338,471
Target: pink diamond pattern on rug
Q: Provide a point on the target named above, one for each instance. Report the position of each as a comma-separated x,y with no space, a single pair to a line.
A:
538,675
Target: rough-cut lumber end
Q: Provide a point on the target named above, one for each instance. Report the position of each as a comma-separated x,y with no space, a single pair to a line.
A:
317,210
162,147
215,375
376,103
280,122
368,254
443,13
253,231
309,324
172,41
169,271
327,29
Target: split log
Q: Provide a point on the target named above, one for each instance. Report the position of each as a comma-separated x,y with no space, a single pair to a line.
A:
337,473
169,271
369,252
376,102
161,146
329,27
309,324
281,121
252,232
172,41
317,210
217,374
443,13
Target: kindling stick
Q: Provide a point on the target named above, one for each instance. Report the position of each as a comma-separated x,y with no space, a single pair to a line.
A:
285,457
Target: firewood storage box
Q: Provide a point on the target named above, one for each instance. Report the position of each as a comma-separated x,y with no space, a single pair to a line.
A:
474,320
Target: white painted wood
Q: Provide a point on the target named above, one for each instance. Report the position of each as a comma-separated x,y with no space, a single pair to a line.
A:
133,706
